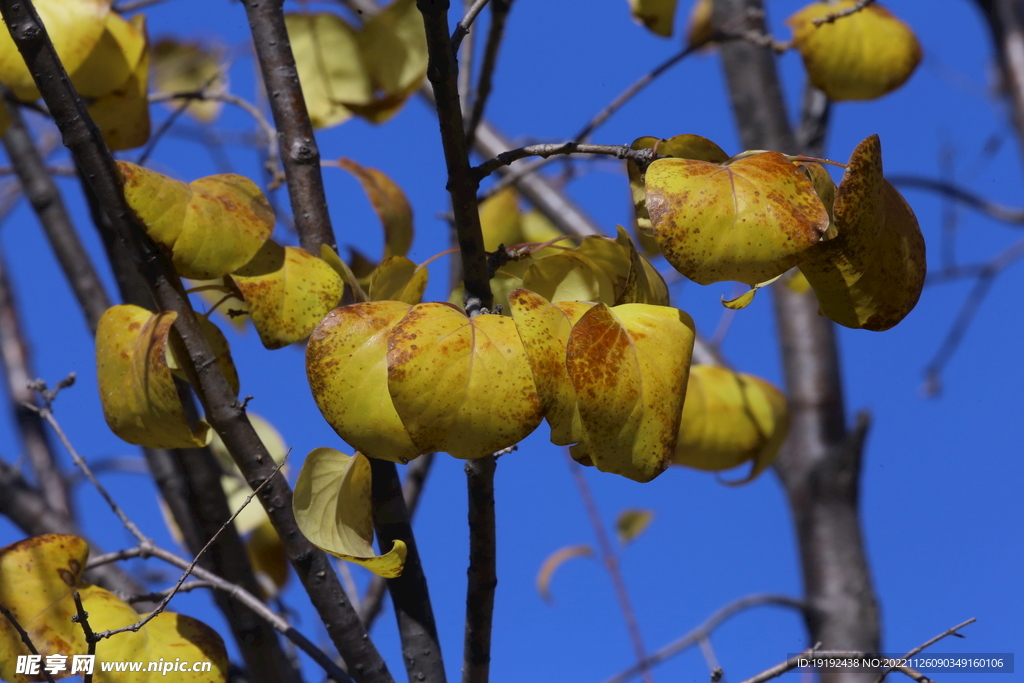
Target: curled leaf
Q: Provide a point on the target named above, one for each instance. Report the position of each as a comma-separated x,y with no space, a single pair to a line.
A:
140,401
858,57
334,511
389,202
553,562
461,385
347,369
398,279
288,291
743,300
749,221
870,275
212,226
730,418
656,15
644,284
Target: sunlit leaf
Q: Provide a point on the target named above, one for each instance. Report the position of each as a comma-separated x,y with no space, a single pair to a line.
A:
744,300
656,15
644,284
461,385
871,274
334,511
122,114
748,221
140,401
267,555
611,258
288,291
569,276
190,67
629,365
858,57
394,48
113,59
553,562
212,226
330,66
730,418
347,369
38,577
500,220
389,202
631,523
74,27
399,279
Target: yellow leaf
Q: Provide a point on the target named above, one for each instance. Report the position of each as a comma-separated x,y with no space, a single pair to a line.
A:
346,274
798,282
824,187
553,562
330,66
569,276
743,300
631,523
74,27
389,202
544,330
288,291
236,488
122,114
871,274
346,365
218,343
730,418
461,385
656,15
629,366
38,577
644,284
500,220
189,67
611,258
268,556
113,59
213,225
140,401
502,286
748,221
334,510
398,279
394,48
701,29
858,57
537,228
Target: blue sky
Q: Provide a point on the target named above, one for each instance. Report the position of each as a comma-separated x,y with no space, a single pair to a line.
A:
941,508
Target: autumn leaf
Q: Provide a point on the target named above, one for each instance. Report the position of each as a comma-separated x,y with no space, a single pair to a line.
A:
344,272
221,351
394,47
656,15
122,113
858,57
570,276
180,66
500,220
749,221
631,523
398,279
701,29
333,509
553,562
461,385
113,58
871,274
389,202
644,284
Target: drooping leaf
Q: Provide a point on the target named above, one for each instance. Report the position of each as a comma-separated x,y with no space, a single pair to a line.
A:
38,577
870,275
461,385
500,220
553,562
346,274
744,300
858,57
213,225
730,418
74,27
288,291
569,276
347,369
268,557
188,67
701,28
629,366
122,114
656,15
218,343
140,401
748,221
334,511
632,522
644,284
824,187
389,202
398,279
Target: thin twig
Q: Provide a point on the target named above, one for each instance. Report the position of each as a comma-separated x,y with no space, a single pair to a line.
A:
611,563
779,669
82,619
462,28
845,12
24,638
466,56
1006,214
482,572
928,643
640,156
495,32
186,587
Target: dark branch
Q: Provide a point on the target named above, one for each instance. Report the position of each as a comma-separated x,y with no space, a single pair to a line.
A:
641,157
483,573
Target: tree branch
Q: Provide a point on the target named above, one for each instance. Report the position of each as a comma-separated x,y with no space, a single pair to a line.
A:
495,32
462,28
641,157
1006,214
483,572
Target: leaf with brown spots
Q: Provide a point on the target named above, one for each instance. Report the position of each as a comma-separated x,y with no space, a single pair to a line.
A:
748,221
871,274
38,577
629,366
213,225
461,385
730,418
140,401
288,291
398,279
858,57
389,202
334,511
347,369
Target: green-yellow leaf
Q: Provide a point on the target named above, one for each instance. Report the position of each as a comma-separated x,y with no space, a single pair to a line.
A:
140,401
394,48
38,577
334,511
749,221
188,67
213,225
656,15
744,300
553,562
611,258
701,29
389,202
631,523
398,279
858,57
569,276
730,418
346,274
347,369
288,291
122,114
113,59
461,385
629,366
500,220
870,275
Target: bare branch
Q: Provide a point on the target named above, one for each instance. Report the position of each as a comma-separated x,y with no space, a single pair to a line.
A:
462,28
82,618
845,12
780,669
495,32
1006,214
928,643
483,576
466,56
642,157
